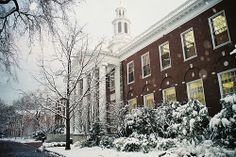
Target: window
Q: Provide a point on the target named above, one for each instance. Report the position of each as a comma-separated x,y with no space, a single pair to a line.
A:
146,70
196,91
130,72
219,29
148,100
164,51
227,81
132,103
188,44
112,81
126,27
119,27
169,94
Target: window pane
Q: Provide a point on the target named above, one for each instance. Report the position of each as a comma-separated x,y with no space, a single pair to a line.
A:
149,100
169,94
132,103
228,82
189,44
196,91
146,65
165,56
130,72
220,31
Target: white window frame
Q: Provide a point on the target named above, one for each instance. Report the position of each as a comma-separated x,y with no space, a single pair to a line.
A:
192,82
144,98
219,80
211,30
128,72
161,58
182,42
163,93
147,53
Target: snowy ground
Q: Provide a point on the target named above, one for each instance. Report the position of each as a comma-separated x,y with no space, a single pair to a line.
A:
205,150
99,152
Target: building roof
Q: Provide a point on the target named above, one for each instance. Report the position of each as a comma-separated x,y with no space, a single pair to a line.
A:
173,20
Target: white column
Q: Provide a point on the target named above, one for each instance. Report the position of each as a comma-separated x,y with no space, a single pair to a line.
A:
117,84
77,123
85,105
102,94
93,97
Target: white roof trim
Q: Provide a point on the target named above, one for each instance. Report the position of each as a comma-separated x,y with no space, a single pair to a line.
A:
173,20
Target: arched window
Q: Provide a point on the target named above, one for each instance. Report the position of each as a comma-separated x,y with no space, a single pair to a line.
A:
119,27
126,27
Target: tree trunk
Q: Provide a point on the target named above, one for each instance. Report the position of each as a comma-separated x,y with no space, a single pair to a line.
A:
67,125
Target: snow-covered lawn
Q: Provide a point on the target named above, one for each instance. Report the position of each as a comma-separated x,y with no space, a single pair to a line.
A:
98,152
203,150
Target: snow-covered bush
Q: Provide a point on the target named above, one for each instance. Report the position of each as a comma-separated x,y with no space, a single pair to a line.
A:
106,142
165,144
128,144
190,121
223,124
94,137
141,121
136,142
54,144
204,149
165,120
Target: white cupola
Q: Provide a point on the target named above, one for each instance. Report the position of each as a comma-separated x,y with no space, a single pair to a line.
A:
121,25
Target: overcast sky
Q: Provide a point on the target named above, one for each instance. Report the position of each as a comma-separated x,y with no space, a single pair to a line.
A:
97,15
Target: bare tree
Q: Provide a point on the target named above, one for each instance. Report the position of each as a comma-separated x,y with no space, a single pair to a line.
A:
72,61
33,115
19,17
6,116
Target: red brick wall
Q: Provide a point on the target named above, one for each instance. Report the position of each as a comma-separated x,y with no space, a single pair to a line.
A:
207,60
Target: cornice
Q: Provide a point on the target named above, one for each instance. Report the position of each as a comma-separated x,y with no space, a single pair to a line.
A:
173,20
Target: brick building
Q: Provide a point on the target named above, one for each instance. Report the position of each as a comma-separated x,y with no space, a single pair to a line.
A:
186,55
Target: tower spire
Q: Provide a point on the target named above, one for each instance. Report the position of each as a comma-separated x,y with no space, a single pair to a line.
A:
121,3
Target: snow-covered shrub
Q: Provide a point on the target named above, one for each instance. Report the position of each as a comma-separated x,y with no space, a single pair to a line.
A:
164,120
94,137
54,144
204,149
223,124
128,144
141,121
148,142
135,142
106,142
165,144
190,121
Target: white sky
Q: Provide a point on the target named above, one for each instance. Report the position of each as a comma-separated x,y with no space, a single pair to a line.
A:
97,15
